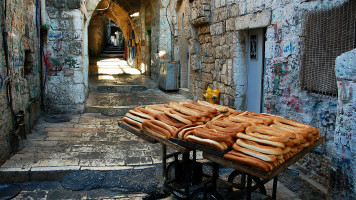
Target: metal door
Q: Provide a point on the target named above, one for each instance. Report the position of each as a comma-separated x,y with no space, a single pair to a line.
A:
255,60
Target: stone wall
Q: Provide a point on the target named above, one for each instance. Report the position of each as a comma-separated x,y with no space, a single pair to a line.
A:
66,90
344,149
217,35
97,34
23,72
161,50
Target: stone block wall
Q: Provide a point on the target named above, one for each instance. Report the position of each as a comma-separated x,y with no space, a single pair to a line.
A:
66,90
344,150
22,73
218,59
97,34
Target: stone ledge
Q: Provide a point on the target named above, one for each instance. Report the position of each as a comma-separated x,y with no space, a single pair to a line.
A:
256,20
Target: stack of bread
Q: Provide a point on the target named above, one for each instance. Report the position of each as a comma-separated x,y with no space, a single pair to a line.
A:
269,140
218,133
263,141
164,120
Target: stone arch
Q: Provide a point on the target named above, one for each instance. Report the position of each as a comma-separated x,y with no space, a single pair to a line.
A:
116,13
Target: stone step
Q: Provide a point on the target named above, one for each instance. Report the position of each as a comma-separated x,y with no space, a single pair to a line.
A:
75,178
110,70
118,88
132,98
118,51
119,103
112,55
111,111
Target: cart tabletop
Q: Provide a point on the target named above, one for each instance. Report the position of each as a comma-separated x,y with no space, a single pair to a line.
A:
258,173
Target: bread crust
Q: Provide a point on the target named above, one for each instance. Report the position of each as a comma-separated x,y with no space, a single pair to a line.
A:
239,154
172,122
177,117
263,141
132,122
248,161
217,107
185,110
208,108
259,148
134,117
278,135
140,114
244,119
143,110
203,133
268,158
208,142
156,129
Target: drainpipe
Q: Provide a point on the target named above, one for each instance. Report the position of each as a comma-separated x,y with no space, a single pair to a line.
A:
43,11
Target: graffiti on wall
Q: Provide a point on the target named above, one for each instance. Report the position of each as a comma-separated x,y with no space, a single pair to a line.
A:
279,75
291,100
54,65
17,21
281,86
55,35
17,61
288,48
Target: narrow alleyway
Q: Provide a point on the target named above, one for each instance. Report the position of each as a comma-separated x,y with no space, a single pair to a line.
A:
59,145
87,156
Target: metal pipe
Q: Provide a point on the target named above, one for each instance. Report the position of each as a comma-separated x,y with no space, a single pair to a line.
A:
43,11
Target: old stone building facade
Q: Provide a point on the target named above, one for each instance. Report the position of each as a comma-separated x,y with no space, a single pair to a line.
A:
20,73
211,40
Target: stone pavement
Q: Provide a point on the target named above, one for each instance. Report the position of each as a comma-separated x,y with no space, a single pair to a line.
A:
90,157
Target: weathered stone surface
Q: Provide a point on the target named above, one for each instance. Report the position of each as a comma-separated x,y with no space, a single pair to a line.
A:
230,24
73,4
346,66
83,180
250,21
59,3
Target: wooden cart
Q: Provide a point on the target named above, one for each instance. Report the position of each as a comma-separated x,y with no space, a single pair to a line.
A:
184,178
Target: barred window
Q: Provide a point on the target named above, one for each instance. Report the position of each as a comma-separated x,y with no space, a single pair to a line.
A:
327,34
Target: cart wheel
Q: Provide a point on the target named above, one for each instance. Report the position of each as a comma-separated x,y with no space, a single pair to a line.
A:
170,178
239,181
210,194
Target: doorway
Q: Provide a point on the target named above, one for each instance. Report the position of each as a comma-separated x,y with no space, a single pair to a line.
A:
255,70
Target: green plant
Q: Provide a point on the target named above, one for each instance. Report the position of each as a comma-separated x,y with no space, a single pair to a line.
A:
45,27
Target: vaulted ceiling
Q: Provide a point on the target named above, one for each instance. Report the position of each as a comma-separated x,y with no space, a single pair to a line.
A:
131,6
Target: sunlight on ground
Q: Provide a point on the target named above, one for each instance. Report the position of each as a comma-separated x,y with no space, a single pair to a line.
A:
115,66
106,77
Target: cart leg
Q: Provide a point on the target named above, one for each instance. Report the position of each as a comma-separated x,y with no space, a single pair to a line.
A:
243,181
215,174
164,161
274,192
194,155
248,190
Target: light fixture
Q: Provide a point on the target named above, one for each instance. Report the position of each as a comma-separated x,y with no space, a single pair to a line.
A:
136,14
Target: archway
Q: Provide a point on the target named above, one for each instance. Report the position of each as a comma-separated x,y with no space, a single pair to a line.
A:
115,15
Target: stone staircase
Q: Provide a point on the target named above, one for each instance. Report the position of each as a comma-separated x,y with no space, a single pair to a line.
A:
112,51
112,98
